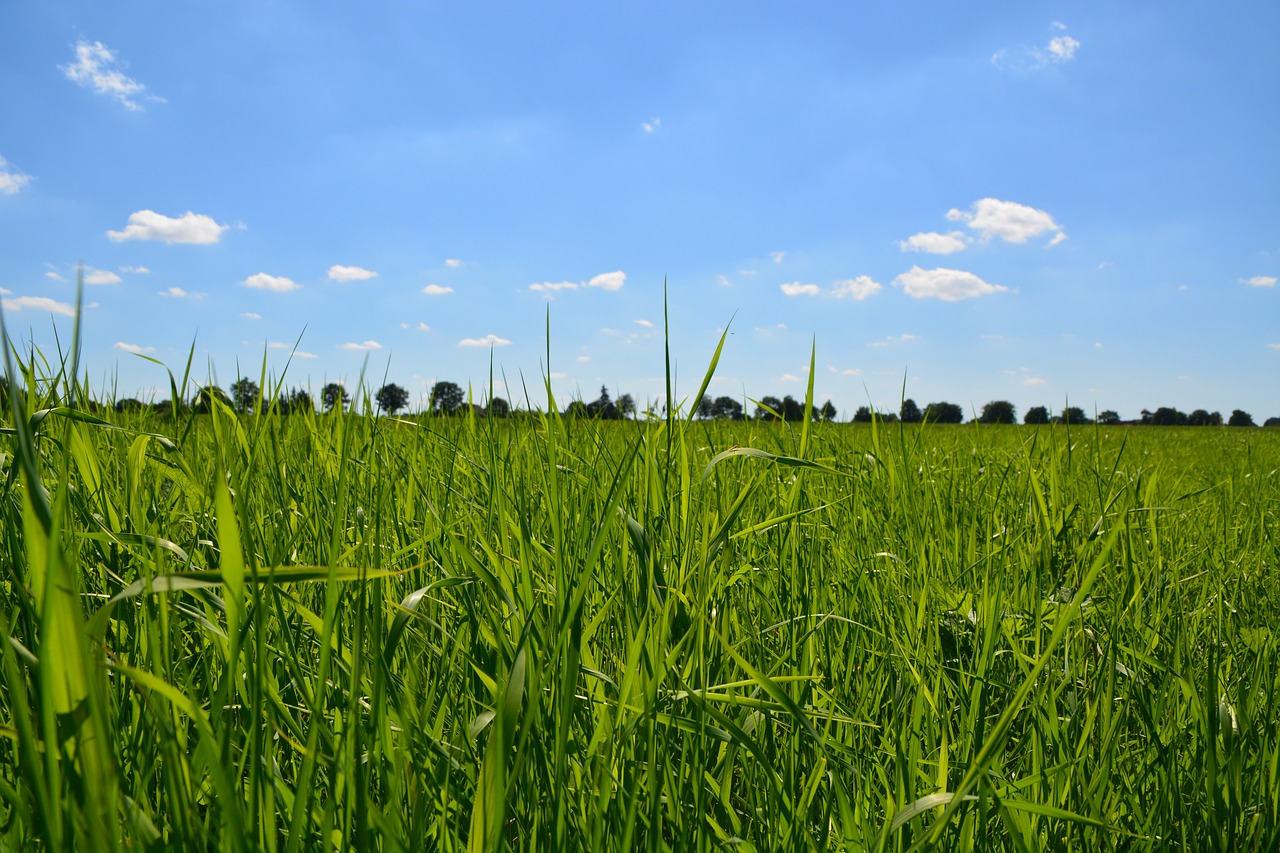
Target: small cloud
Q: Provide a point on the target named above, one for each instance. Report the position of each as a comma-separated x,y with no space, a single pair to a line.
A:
338,272
553,286
583,359
723,281
1182,288
489,340
11,180
249,315
362,347
39,303
796,288
1060,48
452,263
1008,220
135,270
1097,344
645,323
894,339
303,354
97,68
93,276
1033,380
423,327
935,243
857,289
53,276
651,126
1260,281
295,353
777,256
609,280
273,283
555,375
188,228
133,348
788,377
179,293
1273,346
945,284
851,371
436,290
608,331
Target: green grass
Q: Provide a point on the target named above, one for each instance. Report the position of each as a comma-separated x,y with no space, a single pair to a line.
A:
333,632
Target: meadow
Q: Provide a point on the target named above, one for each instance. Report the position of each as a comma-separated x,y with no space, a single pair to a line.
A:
332,631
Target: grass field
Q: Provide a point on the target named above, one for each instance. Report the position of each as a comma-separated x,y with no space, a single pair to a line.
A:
335,631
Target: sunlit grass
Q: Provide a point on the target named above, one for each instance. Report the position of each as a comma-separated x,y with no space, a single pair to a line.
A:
333,631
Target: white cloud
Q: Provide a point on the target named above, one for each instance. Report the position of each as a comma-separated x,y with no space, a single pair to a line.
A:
892,339
490,340
796,288
295,353
934,243
249,315
93,276
851,371
947,285
609,280
777,256
1062,48
4,292
187,228
856,288
1033,380
452,263
11,180
1008,220
1097,344
127,270
274,283
651,126
436,290
179,293
645,323
583,359
96,67
1273,346
788,377
53,276
338,272
553,286
559,375
133,348
39,303
367,345
1260,281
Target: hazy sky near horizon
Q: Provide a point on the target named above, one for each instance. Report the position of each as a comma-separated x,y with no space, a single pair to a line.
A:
1031,202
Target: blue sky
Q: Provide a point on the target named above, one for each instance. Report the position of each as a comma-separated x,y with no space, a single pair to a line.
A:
1031,202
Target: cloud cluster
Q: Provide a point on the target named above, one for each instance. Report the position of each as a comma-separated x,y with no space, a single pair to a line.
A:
857,289
93,276
934,243
489,340
133,348
179,293
1260,281
1059,49
11,180
97,68
436,290
605,281
273,283
945,284
338,272
39,303
1008,221
362,347
187,228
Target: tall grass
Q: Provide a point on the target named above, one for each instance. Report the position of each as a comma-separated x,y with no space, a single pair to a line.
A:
334,631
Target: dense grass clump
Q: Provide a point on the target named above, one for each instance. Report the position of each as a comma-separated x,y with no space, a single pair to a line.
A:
334,631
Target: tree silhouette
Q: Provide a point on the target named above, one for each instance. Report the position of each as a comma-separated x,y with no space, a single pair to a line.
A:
943,413
446,398
910,413
828,411
1074,415
498,408
334,394
998,412
244,392
1167,416
626,405
770,409
1202,417
1108,417
391,398
1036,415
202,403
706,408
863,415
1239,417
726,408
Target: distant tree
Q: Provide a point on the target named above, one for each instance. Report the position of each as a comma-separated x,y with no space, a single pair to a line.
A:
910,413
202,403
602,407
334,394
998,412
391,398
770,409
244,392
1036,415
1073,415
943,413
1239,417
1146,417
828,411
863,415
130,404
298,402
705,408
576,409
1108,417
498,408
1203,417
726,408
446,398
1167,416
1271,422
627,406
793,410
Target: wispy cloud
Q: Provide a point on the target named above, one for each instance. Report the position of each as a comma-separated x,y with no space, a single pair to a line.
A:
857,289
489,340
452,263
1260,281
295,353
95,276
1007,220
894,339
651,126
553,286
133,348
777,256
96,67
363,347
273,283
934,243
130,270
945,284
647,324
39,303
338,272
1059,49
187,228
11,179
796,288
249,315
179,293
609,280
436,290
